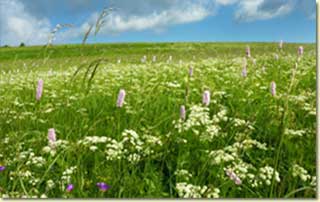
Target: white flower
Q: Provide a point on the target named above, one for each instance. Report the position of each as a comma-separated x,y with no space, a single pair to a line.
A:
93,148
219,156
298,171
43,196
265,176
183,174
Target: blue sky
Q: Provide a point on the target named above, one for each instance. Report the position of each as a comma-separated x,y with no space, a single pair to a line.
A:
31,21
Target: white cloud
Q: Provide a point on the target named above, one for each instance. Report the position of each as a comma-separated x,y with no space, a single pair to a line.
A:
118,22
226,2
21,22
252,10
17,25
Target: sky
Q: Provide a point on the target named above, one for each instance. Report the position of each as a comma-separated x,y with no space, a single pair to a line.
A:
32,21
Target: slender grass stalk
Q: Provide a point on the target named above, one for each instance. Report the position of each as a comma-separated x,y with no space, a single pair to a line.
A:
282,128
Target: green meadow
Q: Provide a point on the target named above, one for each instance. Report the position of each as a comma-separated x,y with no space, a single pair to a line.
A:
197,120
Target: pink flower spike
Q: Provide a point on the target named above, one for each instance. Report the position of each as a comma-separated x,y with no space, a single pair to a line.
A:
273,89
51,135
182,112
237,180
300,50
121,96
281,44
52,138
39,89
244,71
190,71
248,52
206,98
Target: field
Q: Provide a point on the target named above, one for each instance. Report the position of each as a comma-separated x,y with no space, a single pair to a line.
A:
201,120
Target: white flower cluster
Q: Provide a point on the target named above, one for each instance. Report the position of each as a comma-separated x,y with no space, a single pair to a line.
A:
242,170
221,156
313,182
298,171
220,116
310,109
66,175
199,118
132,146
59,144
150,142
38,161
114,150
173,84
193,191
34,181
294,133
264,177
250,143
50,185
92,141
240,123
31,159
232,152
183,175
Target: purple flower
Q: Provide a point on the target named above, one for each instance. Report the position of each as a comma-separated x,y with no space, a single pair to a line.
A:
300,50
39,89
182,112
69,187
273,88
103,186
281,44
190,71
206,98
2,168
248,52
121,96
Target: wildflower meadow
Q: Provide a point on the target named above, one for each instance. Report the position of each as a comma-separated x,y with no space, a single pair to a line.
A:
168,120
